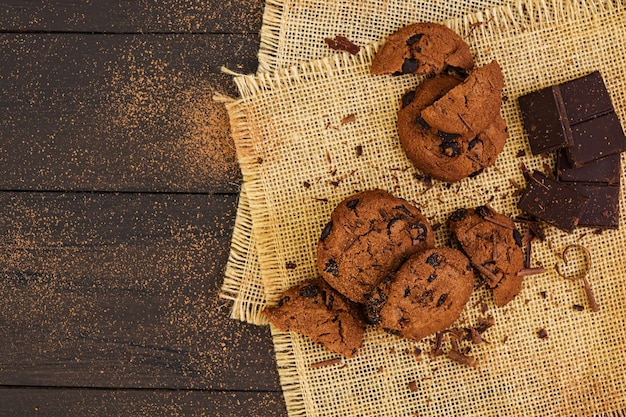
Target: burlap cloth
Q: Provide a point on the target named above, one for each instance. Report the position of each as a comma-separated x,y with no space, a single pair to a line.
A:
293,31
288,128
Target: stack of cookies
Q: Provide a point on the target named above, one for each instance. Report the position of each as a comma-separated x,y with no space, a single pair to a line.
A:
450,126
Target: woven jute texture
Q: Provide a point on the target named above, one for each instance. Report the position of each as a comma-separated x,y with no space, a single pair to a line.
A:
298,150
293,31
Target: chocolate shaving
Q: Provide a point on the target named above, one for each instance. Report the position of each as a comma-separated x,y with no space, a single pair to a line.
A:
341,43
530,271
328,362
487,273
476,337
498,222
462,359
529,248
437,351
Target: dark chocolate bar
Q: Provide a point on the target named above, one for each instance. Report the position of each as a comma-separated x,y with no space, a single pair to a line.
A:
553,202
602,208
602,171
577,115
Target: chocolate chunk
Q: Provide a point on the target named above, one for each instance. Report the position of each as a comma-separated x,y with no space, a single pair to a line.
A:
352,203
309,291
409,66
459,215
408,98
433,260
553,202
594,139
447,137
576,115
327,229
602,208
472,143
414,39
450,149
602,171
332,267
517,236
341,43
542,121
422,123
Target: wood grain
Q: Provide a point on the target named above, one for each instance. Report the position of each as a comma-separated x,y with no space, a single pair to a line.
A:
121,290
110,403
121,16
118,112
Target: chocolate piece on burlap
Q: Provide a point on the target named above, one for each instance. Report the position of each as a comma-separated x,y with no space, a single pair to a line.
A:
553,202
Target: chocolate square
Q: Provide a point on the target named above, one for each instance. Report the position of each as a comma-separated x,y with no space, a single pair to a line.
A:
542,121
553,202
585,98
605,171
602,208
595,138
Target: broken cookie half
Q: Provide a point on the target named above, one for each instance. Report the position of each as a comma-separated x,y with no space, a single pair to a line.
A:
314,309
422,48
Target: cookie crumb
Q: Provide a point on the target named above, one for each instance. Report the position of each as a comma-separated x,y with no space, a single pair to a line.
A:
341,43
413,386
359,150
351,118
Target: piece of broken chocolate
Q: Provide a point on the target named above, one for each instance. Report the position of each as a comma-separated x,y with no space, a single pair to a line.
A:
553,202
341,43
602,208
602,171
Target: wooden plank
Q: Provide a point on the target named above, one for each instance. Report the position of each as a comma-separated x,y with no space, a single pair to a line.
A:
118,112
17,402
121,290
122,16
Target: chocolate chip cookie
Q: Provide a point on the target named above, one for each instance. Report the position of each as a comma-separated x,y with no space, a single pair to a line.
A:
440,154
494,245
314,309
426,295
369,235
422,48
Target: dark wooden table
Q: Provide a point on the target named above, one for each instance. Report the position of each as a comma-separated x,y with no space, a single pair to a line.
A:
118,188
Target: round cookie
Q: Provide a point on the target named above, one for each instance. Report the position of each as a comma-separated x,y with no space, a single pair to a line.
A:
425,296
370,234
314,309
494,246
422,48
467,109
444,156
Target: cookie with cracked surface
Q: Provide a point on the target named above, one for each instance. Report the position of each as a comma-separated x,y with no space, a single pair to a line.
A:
467,109
426,295
494,245
444,156
369,235
314,309
422,48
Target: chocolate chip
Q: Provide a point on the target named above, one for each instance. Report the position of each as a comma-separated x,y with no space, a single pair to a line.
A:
409,66
327,229
414,39
484,211
518,237
432,277
458,215
408,98
450,149
543,333
407,292
283,300
383,214
404,209
330,301
471,144
390,225
433,260
442,299
331,267
476,173
352,203
422,123
309,291
447,137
